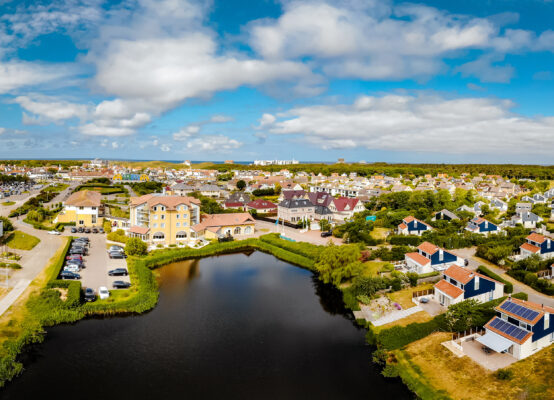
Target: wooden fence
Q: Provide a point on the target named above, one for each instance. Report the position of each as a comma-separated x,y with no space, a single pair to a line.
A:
419,293
472,331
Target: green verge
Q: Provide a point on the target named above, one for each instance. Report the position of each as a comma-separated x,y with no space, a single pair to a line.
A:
508,287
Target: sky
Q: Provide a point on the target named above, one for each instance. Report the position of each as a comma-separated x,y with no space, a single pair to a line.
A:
315,80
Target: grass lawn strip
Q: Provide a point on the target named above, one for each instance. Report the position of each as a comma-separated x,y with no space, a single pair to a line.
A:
21,241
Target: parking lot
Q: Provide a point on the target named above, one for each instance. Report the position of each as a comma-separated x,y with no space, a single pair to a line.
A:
98,263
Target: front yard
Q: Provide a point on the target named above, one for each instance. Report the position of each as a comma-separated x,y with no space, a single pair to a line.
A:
434,372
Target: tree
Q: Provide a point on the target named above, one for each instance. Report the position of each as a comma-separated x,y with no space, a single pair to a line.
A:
8,227
462,316
324,225
135,247
241,185
337,263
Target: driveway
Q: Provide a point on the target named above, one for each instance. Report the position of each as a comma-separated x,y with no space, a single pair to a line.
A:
314,237
97,264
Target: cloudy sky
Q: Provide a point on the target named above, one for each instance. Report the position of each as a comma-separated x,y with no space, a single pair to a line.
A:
433,81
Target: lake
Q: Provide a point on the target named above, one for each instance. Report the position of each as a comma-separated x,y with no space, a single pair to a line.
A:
242,326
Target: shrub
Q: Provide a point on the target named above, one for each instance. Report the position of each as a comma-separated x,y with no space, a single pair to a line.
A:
117,236
10,265
504,374
508,287
397,337
412,277
135,247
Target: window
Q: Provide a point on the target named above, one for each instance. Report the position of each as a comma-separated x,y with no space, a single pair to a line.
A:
546,320
81,208
155,216
247,230
491,295
94,208
237,230
162,225
159,236
94,219
162,208
81,222
178,216
155,225
181,235
476,283
155,208
163,216
178,224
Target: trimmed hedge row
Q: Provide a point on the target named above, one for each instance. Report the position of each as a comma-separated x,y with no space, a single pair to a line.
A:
508,287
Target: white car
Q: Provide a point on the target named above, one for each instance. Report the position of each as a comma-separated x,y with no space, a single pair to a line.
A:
54,233
103,292
71,268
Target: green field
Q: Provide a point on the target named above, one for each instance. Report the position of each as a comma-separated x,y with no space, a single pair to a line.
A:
21,241
8,203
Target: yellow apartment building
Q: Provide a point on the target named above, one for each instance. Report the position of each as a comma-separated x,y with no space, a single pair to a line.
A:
160,219
84,208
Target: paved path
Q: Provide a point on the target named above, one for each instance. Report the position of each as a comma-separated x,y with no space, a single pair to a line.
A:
13,295
366,313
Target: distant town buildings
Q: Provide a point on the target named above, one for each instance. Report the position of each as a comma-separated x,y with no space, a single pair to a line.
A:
275,162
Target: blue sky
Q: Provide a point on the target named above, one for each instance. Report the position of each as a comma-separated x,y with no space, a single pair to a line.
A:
314,80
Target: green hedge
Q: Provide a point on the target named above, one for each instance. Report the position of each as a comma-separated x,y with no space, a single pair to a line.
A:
10,265
398,336
508,287
406,240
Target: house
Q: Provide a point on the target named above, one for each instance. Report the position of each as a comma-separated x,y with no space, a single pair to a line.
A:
520,328
292,195
83,208
262,206
296,210
499,204
321,201
466,208
214,226
522,207
459,284
237,200
445,215
482,226
181,189
413,226
537,244
161,219
527,219
429,258
344,208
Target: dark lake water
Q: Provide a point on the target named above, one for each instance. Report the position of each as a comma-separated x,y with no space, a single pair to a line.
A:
230,327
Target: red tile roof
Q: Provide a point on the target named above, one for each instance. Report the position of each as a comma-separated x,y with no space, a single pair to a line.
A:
427,247
402,226
171,202
529,247
418,258
140,230
342,202
261,204
535,237
84,198
449,289
217,220
459,274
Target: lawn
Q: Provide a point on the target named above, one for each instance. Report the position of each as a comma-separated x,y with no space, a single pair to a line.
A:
8,203
419,317
21,241
379,233
373,267
404,296
431,369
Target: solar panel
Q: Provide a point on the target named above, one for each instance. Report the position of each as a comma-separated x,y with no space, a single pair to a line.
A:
508,329
518,310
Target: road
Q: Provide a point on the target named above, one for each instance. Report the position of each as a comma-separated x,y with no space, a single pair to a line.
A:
314,237
533,295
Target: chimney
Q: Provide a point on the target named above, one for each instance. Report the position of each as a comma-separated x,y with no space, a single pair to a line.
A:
486,224
441,254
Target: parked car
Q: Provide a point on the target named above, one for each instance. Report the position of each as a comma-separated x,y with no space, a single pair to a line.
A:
79,251
118,272
69,275
116,254
103,292
94,230
73,230
89,294
80,229
54,232
101,230
72,268
121,285
327,234
116,248
74,257
79,263
87,230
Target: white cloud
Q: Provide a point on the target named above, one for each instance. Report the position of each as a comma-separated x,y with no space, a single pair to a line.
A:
49,109
421,123
216,143
266,120
165,147
115,145
17,74
186,132
219,119
486,70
